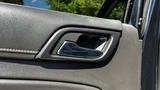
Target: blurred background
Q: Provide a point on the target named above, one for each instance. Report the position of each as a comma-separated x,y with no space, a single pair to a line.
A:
83,7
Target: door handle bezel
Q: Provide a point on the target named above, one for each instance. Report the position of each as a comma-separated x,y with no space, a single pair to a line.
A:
45,52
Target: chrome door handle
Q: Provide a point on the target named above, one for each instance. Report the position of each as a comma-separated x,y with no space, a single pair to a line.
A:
71,49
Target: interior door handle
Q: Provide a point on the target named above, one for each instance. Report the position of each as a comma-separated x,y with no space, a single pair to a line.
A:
69,48
77,44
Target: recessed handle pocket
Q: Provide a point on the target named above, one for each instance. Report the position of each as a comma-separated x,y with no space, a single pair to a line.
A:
71,49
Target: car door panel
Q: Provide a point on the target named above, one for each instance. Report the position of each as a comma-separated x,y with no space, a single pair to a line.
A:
27,29
24,32
41,85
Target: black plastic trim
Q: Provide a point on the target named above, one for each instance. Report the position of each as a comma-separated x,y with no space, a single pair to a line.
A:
45,52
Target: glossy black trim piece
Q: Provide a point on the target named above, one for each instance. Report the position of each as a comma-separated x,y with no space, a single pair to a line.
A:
150,56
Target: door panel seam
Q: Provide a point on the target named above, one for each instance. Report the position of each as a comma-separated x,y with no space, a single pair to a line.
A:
18,51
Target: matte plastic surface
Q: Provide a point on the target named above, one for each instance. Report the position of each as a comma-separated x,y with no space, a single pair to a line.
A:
25,30
29,29
6,84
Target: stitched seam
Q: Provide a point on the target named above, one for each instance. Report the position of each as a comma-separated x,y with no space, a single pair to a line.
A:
18,51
